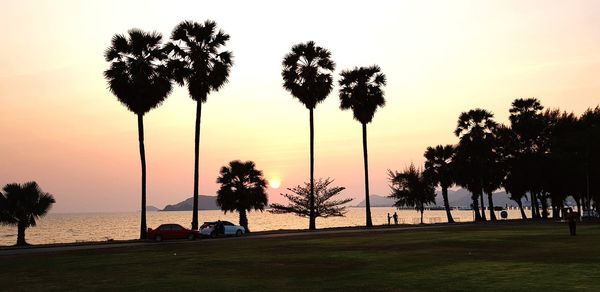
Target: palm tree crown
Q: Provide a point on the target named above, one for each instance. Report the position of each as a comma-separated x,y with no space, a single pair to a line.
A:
138,73
475,124
22,204
361,91
307,73
438,164
199,58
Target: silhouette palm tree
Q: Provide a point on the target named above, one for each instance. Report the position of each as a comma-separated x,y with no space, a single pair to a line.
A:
200,62
242,189
476,132
22,205
307,75
139,77
361,90
439,170
528,124
411,188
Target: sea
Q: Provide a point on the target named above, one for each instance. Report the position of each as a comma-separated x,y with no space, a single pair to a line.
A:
86,227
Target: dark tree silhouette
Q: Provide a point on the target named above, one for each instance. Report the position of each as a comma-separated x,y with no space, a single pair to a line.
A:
528,125
325,205
200,62
411,188
476,132
139,77
361,91
307,75
242,189
438,169
21,205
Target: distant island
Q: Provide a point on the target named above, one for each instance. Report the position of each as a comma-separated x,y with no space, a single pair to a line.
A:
457,198
152,209
204,203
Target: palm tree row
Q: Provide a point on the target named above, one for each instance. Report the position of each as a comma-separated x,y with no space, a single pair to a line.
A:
143,69
308,75
550,155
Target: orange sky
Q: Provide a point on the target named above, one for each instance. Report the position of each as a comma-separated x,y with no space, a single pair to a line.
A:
60,126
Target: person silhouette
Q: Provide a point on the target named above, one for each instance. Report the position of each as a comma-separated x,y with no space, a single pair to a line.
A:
572,222
395,218
389,218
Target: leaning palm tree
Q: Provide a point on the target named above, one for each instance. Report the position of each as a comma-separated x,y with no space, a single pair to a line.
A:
242,189
411,188
307,75
22,205
361,90
200,62
438,168
139,77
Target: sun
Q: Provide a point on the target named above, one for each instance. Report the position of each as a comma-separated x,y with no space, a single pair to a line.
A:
275,183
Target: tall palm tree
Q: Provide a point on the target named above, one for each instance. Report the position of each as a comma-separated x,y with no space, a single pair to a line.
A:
307,75
476,130
22,205
438,168
200,62
361,90
411,188
242,189
139,77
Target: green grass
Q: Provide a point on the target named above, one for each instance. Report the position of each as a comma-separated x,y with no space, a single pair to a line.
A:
532,257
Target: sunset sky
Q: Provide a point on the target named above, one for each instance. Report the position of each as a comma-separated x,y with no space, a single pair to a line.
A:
60,126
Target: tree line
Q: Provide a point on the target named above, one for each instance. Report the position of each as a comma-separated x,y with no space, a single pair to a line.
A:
542,155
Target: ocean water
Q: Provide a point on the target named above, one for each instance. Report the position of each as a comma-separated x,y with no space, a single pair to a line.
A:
82,227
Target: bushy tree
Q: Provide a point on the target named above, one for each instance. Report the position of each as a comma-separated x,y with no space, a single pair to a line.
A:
411,188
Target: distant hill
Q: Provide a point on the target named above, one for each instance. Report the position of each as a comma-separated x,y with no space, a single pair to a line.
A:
204,203
456,198
152,209
378,201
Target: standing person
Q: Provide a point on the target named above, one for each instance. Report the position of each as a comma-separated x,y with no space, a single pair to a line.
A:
395,218
572,222
389,218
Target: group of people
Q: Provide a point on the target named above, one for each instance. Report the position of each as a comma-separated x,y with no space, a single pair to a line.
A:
395,216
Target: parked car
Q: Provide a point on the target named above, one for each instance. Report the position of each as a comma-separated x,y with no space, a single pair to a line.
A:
172,231
226,228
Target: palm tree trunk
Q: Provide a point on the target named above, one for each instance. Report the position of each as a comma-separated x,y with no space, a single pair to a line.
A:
244,219
482,207
366,161
21,234
520,204
143,229
535,211
422,215
447,204
196,164
544,203
491,204
475,207
312,220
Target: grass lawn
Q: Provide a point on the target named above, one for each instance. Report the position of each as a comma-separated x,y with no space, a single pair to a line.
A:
531,257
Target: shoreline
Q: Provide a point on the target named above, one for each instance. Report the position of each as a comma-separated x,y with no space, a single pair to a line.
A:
282,233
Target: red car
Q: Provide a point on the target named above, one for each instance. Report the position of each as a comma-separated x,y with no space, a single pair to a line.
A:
172,231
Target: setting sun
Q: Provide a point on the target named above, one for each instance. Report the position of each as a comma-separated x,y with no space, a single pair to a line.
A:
275,183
